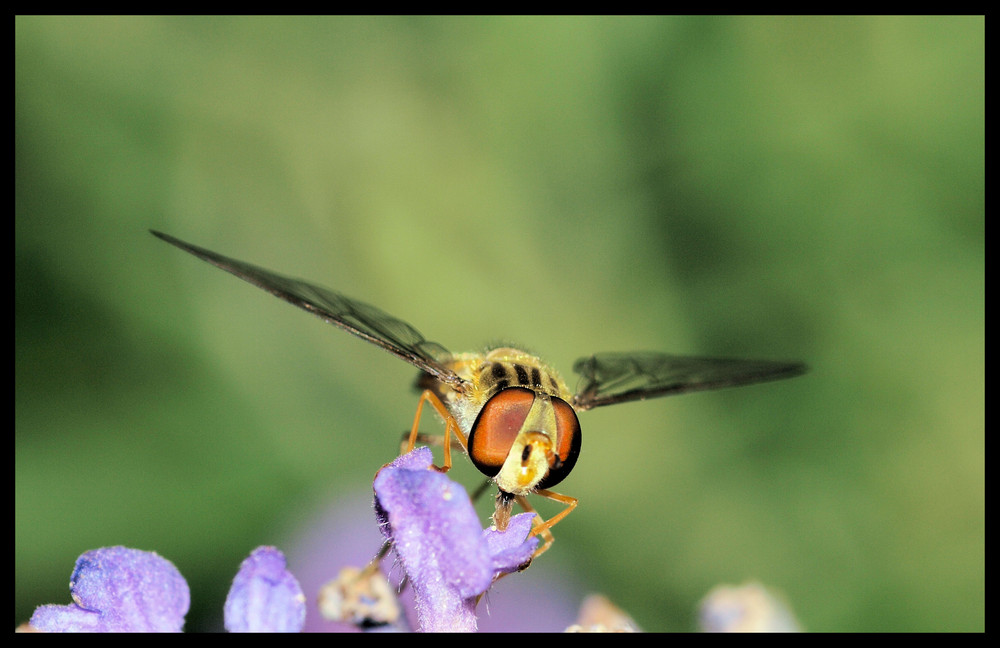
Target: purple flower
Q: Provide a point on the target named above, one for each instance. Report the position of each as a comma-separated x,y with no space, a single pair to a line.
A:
265,597
341,532
117,589
449,559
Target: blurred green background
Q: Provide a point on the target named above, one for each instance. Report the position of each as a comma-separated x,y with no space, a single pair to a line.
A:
788,188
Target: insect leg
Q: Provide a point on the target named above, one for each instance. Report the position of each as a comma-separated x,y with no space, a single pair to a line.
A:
541,526
450,426
429,439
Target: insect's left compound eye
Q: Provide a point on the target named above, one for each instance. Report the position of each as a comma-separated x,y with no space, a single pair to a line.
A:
496,428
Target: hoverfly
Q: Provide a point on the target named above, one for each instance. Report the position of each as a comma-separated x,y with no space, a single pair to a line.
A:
511,413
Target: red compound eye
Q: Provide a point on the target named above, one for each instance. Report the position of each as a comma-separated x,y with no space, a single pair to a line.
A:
496,428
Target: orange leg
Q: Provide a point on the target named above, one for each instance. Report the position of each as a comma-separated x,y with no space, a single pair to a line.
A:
541,526
450,426
423,438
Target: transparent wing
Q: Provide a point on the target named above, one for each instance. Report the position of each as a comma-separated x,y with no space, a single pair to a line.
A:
365,321
608,378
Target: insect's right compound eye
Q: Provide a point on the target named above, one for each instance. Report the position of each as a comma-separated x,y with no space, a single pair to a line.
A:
496,428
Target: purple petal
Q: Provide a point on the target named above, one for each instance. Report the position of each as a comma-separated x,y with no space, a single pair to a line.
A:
435,531
265,597
508,550
117,589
